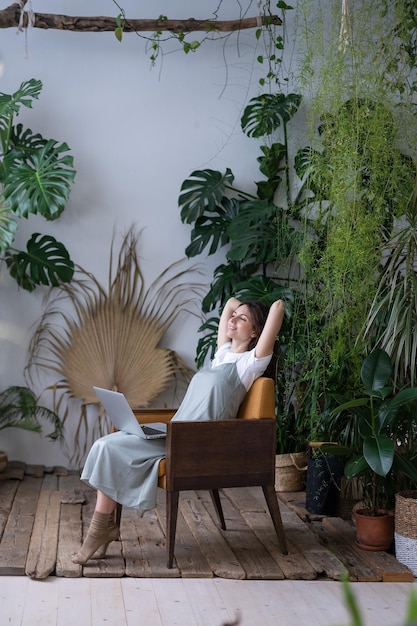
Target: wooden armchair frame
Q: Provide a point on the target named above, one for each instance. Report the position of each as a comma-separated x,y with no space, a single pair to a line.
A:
214,455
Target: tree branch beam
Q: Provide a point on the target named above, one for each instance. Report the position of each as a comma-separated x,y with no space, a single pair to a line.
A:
10,18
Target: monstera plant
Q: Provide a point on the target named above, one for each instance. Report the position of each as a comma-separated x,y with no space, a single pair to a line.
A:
35,178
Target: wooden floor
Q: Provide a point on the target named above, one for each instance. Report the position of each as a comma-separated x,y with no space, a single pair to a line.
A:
195,602
43,514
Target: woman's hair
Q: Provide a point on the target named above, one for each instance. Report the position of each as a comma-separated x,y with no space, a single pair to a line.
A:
259,313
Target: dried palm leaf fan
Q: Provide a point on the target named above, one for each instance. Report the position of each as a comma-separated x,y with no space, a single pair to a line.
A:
110,338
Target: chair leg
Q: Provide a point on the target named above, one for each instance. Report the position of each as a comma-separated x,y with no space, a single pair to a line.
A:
273,506
172,514
218,506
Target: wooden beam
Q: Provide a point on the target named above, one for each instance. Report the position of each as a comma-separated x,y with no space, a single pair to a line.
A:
10,17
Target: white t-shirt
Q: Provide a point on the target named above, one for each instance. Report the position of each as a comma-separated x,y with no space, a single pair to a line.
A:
248,366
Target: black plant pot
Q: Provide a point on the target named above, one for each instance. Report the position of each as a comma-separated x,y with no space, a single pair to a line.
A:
324,472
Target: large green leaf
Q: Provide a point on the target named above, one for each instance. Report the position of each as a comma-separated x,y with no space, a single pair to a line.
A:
207,344
212,227
39,181
403,397
202,191
10,104
272,160
265,113
226,277
355,465
253,232
376,370
27,91
46,262
379,454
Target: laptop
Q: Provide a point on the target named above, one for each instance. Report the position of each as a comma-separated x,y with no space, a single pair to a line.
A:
123,418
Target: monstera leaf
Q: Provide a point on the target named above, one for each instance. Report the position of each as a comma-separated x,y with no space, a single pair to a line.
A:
203,191
38,179
35,178
267,112
46,262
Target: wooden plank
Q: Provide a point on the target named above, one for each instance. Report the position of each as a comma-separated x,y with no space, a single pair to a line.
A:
14,470
188,556
390,569
16,537
251,502
44,540
50,482
305,543
69,541
144,546
7,493
250,552
35,470
70,530
295,501
215,548
358,568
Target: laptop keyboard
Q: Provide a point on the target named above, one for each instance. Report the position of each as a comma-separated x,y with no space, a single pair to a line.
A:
151,431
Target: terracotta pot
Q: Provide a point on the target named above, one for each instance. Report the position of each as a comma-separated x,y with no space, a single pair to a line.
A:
374,532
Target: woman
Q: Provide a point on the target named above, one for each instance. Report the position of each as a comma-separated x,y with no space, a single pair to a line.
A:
123,468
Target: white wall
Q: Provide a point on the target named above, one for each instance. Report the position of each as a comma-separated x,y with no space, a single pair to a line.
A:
136,133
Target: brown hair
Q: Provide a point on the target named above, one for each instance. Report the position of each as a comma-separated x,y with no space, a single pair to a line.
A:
259,313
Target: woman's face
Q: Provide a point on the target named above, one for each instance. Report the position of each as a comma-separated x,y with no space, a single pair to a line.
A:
240,326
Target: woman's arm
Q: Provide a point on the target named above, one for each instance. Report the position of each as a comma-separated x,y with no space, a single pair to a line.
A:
229,308
265,345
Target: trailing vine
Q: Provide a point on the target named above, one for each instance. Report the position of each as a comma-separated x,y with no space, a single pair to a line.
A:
266,31
359,174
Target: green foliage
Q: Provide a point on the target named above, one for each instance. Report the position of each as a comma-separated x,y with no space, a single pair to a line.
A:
374,419
260,236
19,408
35,178
269,34
358,175
391,322
46,262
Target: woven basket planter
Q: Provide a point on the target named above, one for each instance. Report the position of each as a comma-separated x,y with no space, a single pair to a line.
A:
290,471
406,529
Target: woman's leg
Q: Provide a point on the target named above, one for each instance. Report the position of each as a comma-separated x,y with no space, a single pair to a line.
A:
102,531
104,504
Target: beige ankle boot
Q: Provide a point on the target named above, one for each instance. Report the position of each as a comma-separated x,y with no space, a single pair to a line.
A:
114,532
98,534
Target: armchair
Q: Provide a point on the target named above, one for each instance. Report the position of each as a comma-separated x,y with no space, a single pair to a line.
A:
224,454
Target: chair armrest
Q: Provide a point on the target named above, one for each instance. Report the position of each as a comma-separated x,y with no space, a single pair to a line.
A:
147,416
227,453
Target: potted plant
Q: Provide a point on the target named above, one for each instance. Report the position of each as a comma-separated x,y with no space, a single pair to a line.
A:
19,408
371,423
